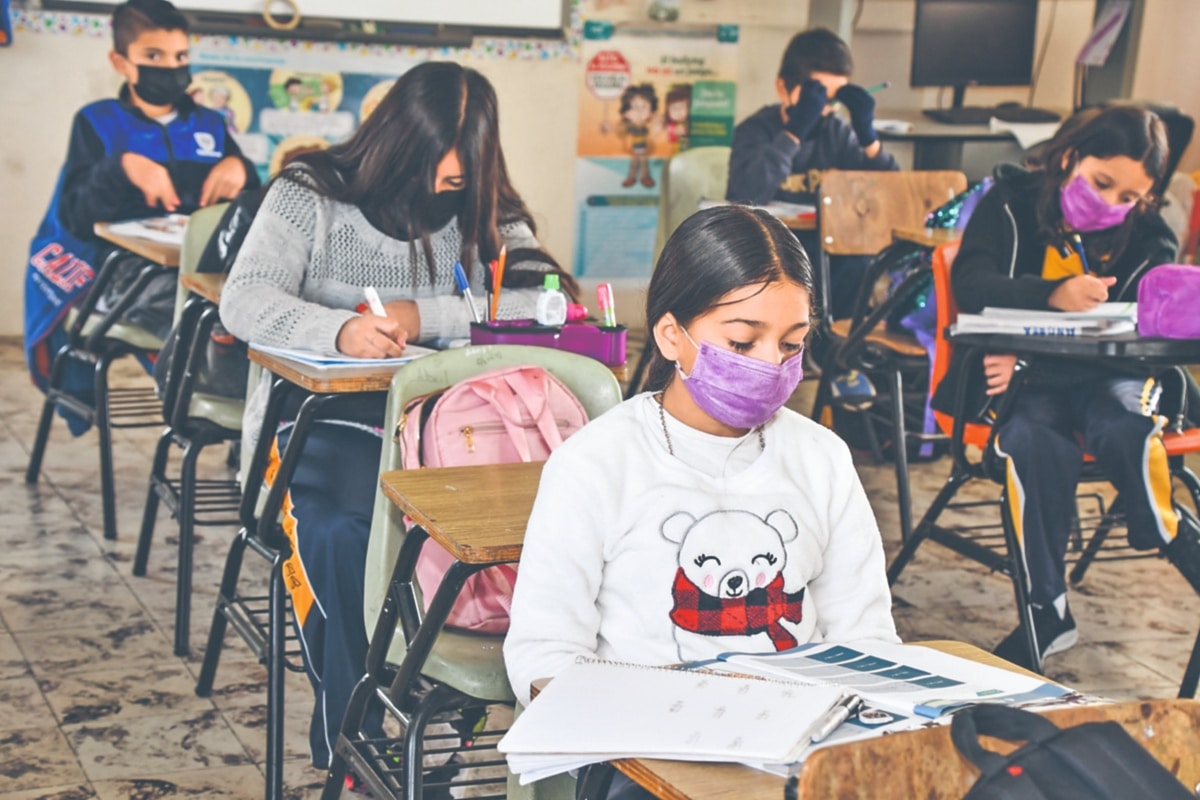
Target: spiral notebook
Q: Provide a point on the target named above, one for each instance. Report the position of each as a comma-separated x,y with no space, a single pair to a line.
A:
597,711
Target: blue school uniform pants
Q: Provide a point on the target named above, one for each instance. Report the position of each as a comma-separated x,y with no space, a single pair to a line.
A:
1114,417
327,518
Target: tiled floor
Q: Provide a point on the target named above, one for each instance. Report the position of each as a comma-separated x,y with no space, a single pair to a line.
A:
93,704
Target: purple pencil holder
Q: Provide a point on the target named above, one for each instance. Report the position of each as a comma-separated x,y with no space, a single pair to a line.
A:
603,344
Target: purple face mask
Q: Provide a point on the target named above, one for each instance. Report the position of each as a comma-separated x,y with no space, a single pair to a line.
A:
737,390
1085,210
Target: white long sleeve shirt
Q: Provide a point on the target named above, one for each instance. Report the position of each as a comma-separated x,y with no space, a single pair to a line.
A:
635,554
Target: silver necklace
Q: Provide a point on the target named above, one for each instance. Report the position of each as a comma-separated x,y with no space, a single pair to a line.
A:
662,420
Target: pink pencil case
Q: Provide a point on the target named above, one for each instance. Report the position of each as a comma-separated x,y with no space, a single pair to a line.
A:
603,344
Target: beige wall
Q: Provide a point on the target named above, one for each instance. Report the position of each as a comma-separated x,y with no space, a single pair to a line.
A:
59,73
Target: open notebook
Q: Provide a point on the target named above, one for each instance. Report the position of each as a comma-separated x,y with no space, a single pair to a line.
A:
323,361
1106,319
600,710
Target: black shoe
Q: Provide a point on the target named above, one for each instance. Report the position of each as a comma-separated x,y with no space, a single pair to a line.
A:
1054,634
1184,550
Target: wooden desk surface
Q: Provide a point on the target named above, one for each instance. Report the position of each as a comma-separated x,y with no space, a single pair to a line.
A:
927,237
343,380
208,285
158,252
924,127
808,222
478,514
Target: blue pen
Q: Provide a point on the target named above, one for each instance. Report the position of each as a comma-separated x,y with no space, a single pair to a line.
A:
1082,256
460,278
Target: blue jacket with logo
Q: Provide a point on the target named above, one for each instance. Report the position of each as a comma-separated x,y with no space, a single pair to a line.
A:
93,187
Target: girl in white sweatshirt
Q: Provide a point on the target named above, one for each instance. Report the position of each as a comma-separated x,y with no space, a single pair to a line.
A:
703,516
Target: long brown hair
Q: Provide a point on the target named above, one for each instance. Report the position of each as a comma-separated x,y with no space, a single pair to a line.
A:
1119,131
388,168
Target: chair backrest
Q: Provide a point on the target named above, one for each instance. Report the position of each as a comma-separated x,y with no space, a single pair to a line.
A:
857,211
199,230
591,382
974,433
700,173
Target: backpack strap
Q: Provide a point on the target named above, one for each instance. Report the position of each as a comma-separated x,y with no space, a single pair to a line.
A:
1002,722
531,385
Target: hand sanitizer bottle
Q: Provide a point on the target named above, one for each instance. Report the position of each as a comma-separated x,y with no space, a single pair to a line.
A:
551,303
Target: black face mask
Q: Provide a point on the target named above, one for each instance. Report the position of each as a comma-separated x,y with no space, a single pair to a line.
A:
443,207
162,86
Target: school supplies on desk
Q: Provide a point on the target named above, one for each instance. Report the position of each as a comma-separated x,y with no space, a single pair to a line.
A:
608,308
601,343
1106,319
166,229
324,361
464,286
374,304
597,711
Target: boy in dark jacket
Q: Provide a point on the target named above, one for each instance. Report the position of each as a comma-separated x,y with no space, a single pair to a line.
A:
781,151
149,152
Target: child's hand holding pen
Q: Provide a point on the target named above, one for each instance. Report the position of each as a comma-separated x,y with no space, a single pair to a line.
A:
373,334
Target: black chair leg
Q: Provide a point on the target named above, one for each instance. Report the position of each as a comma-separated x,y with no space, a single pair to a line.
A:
951,487
276,631
900,455
1096,542
158,475
216,634
1020,582
351,727
57,370
108,490
639,371
1191,675
821,403
414,739
187,529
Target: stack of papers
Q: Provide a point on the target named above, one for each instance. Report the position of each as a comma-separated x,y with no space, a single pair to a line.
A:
598,711
776,208
324,361
168,229
1107,319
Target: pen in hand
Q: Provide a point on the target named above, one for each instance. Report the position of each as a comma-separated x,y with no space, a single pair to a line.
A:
373,301
464,286
1082,255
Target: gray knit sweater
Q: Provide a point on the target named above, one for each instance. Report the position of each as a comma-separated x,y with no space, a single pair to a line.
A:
306,258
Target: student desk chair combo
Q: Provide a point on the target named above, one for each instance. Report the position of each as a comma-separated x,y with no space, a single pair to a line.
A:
97,340
194,419
1000,551
415,669
878,214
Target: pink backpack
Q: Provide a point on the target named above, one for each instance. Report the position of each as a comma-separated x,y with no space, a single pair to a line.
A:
502,416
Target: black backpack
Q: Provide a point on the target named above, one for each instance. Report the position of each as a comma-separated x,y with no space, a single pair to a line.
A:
1095,760
223,367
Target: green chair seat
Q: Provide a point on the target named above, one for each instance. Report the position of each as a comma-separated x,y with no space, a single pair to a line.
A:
223,411
132,335
471,663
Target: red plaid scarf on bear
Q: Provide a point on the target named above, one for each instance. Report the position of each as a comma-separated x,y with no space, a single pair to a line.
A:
760,610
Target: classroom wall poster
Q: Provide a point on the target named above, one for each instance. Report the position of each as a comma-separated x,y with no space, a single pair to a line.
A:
646,95
278,107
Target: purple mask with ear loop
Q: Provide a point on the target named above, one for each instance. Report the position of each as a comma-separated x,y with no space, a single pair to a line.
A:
1085,210
737,390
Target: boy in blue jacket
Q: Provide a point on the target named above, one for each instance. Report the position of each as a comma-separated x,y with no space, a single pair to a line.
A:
149,152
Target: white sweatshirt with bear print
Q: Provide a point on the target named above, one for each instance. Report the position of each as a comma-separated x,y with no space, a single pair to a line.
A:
635,554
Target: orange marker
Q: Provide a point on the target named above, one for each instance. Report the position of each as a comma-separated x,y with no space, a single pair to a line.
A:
498,279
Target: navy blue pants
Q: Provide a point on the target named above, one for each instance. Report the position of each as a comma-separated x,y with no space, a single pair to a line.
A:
1045,459
327,517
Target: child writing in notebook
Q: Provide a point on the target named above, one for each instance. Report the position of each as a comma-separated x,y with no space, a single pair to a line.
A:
421,185
1080,230
702,516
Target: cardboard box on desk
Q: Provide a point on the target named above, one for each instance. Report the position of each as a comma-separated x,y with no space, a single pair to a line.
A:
606,345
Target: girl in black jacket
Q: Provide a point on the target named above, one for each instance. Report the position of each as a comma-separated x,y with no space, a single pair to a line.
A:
1080,230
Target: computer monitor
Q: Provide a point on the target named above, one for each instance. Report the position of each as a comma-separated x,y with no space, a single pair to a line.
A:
961,43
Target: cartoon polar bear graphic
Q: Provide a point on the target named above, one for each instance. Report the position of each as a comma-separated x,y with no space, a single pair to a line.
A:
730,581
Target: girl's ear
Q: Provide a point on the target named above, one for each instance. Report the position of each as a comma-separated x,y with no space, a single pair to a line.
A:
1068,162
667,335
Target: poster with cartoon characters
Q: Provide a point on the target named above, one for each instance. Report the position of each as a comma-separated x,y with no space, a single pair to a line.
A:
646,96
283,105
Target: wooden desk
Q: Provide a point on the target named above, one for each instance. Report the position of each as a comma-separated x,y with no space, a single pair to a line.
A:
922,763
159,252
926,237
808,222
367,378
490,528
208,285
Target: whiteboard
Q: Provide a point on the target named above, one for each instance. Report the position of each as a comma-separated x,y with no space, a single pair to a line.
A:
529,15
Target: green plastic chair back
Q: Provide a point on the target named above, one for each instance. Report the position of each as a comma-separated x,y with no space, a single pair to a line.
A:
471,663
700,173
199,230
